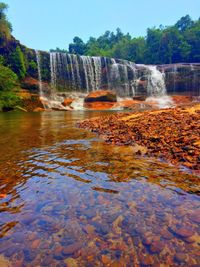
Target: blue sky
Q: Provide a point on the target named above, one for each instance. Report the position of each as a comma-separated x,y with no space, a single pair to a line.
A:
45,24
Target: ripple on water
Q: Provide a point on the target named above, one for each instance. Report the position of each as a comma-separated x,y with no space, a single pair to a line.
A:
68,199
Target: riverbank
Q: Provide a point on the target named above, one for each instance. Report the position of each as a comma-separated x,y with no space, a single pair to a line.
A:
170,134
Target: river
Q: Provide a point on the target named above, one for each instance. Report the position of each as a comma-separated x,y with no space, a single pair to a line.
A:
69,199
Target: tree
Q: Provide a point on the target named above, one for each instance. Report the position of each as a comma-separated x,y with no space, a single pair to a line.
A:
5,26
153,46
8,81
77,47
18,63
184,23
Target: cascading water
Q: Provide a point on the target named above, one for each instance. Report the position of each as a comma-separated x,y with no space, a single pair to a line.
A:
74,73
156,88
156,82
39,71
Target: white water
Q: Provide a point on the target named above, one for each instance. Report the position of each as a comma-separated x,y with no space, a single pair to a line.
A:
156,82
85,74
39,71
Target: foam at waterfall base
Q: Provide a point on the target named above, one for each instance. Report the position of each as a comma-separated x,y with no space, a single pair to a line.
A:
164,101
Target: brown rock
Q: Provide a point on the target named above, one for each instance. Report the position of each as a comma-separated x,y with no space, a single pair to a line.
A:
105,259
146,260
35,244
70,262
184,232
157,246
180,257
67,102
195,217
38,109
99,105
101,96
69,250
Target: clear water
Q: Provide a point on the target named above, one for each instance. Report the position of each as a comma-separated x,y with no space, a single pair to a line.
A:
68,199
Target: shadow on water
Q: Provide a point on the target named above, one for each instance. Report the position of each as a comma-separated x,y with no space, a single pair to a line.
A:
68,198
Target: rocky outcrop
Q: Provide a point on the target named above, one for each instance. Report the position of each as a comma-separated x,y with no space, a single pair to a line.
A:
182,78
101,96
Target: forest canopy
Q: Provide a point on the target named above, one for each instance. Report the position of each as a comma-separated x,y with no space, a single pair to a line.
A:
161,45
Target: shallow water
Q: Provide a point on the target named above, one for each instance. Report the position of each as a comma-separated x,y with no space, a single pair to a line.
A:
68,199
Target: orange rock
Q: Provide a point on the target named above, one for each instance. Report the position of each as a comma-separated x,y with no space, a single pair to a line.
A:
99,105
35,244
105,259
3,195
101,96
38,109
179,99
67,102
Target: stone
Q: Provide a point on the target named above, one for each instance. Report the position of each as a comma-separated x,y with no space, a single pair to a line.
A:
4,262
99,105
195,217
146,260
180,257
183,232
70,262
101,96
157,246
38,109
67,102
71,249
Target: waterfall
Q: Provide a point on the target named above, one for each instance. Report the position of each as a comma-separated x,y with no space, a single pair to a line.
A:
156,82
97,69
53,66
39,71
175,76
156,88
77,74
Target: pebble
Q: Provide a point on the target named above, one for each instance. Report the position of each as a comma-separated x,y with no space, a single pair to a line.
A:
157,246
71,249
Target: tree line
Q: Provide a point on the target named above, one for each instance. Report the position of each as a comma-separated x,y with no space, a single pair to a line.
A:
161,45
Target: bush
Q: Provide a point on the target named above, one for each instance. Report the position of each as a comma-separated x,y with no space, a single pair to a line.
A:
8,79
8,100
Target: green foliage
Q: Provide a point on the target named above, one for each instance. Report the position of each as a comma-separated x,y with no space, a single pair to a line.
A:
32,68
8,81
5,26
77,47
162,45
8,100
18,63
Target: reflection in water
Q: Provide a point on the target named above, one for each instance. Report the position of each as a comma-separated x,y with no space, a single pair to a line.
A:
68,199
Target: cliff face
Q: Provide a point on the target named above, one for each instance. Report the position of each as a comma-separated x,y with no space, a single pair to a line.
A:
182,78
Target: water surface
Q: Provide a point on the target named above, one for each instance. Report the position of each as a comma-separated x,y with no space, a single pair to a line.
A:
69,199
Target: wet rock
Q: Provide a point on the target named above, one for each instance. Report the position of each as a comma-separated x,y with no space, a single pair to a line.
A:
57,253
67,102
29,255
183,232
99,105
166,234
71,249
180,257
4,262
101,96
157,246
38,109
195,217
35,244
105,259
70,262
146,260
